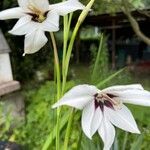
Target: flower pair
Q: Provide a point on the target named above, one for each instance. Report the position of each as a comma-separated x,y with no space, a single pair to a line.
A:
104,108
36,17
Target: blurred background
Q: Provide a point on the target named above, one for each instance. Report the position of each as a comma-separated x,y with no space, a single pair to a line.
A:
30,79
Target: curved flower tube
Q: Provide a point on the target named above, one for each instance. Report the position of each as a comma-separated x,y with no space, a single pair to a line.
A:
104,108
36,17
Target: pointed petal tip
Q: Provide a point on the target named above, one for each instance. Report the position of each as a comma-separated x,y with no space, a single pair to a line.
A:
10,31
54,106
89,136
137,131
24,54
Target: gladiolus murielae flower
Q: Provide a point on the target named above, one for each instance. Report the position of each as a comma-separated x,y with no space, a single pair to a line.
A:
104,108
36,17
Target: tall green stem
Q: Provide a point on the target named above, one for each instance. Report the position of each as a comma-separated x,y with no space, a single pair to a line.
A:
79,22
58,78
97,58
68,130
57,66
67,61
67,23
65,64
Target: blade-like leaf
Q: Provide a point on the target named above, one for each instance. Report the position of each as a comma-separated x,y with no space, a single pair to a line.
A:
97,59
110,78
136,145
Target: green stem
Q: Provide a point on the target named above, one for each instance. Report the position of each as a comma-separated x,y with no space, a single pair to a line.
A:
79,22
65,40
58,78
68,130
67,61
57,66
79,141
67,23
125,141
97,58
64,52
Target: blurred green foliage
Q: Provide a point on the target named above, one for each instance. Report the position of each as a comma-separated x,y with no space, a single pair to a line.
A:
40,119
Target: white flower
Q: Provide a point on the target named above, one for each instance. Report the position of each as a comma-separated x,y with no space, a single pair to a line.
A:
36,17
104,108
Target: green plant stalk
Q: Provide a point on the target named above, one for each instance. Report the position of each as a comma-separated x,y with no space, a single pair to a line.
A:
79,22
67,61
57,66
68,130
52,134
97,58
125,141
58,77
65,40
67,23
79,141
70,47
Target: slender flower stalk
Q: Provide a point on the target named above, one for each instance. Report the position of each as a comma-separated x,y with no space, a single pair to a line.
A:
66,61
57,64
58,83
36,17
70,46
68,130
104,108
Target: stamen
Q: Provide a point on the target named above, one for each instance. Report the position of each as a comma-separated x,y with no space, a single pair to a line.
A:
102,99
37,15
110,99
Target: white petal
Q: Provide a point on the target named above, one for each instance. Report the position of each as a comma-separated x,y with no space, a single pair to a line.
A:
66,7
12,13
41,5
123,88
107,133
78,96
34,41
51,24
138,97
122,118
24,26
96,121
87,117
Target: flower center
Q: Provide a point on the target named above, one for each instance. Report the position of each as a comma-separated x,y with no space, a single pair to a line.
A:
102,99
37,15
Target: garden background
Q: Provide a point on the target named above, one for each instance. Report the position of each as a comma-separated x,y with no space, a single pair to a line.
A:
124,59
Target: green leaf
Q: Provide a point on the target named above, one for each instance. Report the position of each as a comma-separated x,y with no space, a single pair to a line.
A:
101,83
97,59
52,135
136,145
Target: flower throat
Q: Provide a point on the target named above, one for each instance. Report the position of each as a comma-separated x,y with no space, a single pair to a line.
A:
37,15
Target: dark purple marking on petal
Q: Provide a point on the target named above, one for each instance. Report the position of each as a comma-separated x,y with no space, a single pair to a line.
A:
101,105
96,104
108,104
111,95
35,17
46,13
96,95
